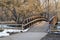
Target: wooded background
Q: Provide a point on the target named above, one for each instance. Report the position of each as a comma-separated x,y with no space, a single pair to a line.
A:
20,9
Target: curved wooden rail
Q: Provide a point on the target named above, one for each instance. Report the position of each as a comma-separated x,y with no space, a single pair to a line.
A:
53,24
27,22
33,21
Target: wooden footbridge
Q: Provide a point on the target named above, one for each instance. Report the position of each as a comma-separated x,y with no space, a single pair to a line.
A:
51,18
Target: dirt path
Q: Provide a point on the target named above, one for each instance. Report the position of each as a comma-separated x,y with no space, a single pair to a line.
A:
39,27
36,32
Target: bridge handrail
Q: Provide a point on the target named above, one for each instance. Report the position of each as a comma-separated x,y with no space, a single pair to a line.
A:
34,21
34,18
39,19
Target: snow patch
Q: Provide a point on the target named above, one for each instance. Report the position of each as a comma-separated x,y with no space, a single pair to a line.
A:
4,33
11,30
58,27
25,30
58,22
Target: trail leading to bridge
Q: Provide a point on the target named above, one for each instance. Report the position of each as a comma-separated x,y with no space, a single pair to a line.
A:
39,27
37,31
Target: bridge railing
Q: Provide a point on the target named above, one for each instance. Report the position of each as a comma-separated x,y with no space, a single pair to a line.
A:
29,21
52,19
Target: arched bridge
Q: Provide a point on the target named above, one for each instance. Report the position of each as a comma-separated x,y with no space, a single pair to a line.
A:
42,17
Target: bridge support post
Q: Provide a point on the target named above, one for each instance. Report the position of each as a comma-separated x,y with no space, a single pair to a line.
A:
22,27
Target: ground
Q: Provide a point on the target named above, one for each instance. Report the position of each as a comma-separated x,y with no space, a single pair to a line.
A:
51,37
38,31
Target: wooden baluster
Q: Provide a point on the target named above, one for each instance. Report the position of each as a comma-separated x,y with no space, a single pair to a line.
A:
22,27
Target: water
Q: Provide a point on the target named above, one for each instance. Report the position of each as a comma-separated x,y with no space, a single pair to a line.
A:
5,26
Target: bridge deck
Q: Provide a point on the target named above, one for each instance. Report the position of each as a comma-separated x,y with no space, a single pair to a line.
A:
39,27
